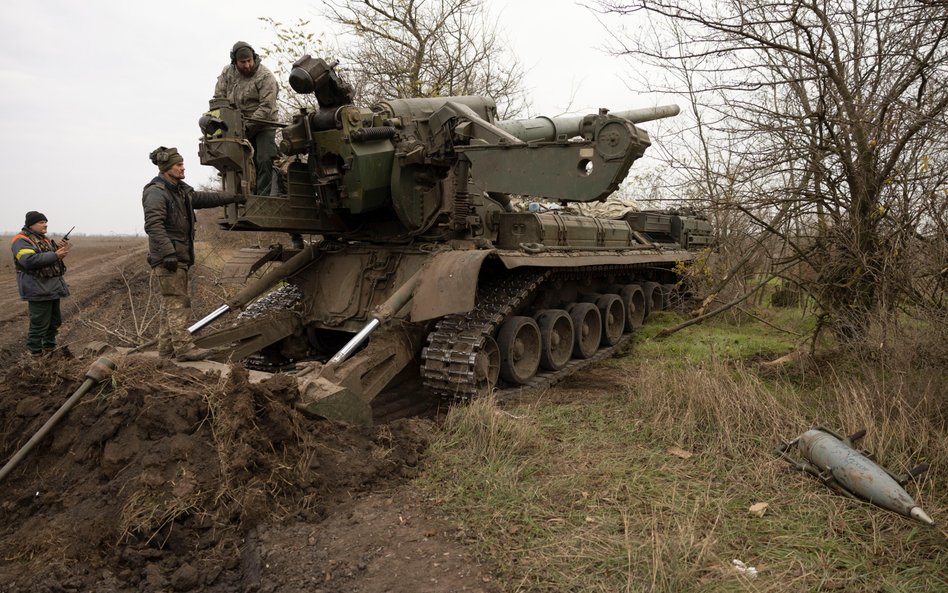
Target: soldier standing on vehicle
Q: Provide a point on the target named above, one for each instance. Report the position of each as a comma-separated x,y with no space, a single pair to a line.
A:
39,278
253,89
169,205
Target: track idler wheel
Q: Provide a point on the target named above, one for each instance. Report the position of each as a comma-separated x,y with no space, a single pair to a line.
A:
556,338
519,343
587,329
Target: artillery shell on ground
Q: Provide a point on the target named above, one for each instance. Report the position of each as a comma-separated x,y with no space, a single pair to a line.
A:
835,461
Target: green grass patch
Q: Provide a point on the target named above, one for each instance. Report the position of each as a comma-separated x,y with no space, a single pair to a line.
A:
718,339
646,485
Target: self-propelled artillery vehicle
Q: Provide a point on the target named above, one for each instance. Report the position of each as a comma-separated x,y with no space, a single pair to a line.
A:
421,264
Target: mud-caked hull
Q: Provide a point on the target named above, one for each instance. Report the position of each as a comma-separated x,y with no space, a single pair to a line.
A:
478,319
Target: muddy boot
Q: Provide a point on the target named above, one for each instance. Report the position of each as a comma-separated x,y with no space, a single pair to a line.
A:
192,354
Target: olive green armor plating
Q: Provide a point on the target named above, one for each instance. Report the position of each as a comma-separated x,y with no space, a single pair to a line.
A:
411,202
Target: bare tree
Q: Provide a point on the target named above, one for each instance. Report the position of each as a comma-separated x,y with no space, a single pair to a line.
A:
404,48
822,123
426,48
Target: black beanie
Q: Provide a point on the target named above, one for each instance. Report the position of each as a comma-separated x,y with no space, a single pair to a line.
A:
32,217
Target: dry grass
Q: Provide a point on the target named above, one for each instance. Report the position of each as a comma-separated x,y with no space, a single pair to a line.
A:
649,488
154,505
489,434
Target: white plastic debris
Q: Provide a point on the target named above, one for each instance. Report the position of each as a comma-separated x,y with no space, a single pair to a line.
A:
758,509
748,571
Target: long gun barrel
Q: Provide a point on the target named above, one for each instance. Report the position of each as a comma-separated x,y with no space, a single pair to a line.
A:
550,128
371,174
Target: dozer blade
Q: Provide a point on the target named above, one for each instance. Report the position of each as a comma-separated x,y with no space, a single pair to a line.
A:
247,261
250,336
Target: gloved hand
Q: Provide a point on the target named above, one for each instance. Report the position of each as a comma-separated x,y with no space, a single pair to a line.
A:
170,263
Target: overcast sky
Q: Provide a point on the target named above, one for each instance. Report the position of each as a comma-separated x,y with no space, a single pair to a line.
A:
90,88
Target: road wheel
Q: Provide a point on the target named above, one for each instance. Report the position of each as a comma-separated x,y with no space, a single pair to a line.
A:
587,329
612,311
519,343
556,338
634,300
654,298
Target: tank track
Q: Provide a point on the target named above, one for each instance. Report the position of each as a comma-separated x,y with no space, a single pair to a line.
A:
448,362
449,359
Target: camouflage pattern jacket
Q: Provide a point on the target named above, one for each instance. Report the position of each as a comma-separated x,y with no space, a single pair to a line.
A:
39,271
169,218
255,95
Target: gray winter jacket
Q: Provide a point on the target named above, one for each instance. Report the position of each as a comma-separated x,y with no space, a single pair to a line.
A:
169,218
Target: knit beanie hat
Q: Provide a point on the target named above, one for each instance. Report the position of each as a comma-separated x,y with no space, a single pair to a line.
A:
32,217
164,157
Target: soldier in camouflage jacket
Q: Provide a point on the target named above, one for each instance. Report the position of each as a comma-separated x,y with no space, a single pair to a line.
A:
253,89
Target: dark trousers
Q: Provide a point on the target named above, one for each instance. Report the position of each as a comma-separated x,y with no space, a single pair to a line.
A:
45,319
264,153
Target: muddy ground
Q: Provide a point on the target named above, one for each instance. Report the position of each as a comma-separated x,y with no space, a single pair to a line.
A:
166,478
